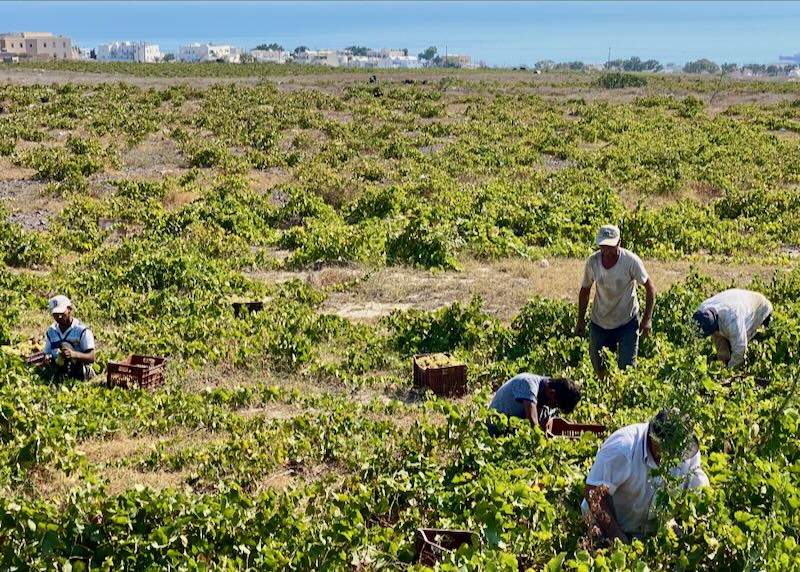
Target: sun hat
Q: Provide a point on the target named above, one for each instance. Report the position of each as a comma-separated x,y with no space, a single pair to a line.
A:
59,304
608,235
672,431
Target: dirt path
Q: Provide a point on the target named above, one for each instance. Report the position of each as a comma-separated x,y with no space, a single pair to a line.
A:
505,285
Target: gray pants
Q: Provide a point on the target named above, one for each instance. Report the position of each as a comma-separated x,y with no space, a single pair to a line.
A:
624,340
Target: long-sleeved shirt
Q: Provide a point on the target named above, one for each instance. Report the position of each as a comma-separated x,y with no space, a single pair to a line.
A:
739,313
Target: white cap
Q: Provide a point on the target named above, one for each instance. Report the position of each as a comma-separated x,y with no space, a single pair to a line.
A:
59,304
608,235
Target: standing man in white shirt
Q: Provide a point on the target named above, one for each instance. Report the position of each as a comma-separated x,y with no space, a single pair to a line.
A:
620,491
615,271
69,343
732,318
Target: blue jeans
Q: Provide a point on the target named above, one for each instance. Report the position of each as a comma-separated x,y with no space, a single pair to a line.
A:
624,340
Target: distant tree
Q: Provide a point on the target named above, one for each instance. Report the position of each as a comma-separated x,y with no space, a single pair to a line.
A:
571,66
544,65
272,47
169,57
701,66
247,58
755,69
405,52
773,70
652,65
729,68
428,55
92,55
300,50
357,50
634,64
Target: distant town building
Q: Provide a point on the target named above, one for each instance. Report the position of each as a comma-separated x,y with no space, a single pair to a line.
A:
209,53
461,61
318,58
128,52
385,58
271,56
36,46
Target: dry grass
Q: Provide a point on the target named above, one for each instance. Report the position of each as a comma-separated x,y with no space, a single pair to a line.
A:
263,181
505,286
695,191
124,479
11,172
154,155
177,199
104,451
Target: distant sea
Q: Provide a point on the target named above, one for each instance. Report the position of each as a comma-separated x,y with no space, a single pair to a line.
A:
497,33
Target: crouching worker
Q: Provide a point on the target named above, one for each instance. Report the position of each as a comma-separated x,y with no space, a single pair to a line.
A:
532,397
69,344
620,491
732,318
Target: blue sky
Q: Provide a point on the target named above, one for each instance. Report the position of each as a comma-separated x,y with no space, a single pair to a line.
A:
500,33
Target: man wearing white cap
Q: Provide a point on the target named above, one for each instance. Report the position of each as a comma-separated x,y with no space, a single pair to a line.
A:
615,311
69,343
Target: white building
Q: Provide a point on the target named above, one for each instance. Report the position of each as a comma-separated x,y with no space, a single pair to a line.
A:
271,56
383,59
209,53
128,52
318,58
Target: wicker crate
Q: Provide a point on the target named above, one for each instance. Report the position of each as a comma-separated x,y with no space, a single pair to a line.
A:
446,381
562,428
136,371
432,543
36,358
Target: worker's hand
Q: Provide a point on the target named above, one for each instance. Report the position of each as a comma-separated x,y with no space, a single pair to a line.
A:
624,538
580,327
645,328
67,352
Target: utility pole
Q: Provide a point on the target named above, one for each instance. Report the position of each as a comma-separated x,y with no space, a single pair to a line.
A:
608,61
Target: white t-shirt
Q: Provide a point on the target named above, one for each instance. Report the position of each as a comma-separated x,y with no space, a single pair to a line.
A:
623,464
615,303
740,314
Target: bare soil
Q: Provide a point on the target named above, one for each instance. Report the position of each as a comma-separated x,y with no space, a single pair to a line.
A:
505,286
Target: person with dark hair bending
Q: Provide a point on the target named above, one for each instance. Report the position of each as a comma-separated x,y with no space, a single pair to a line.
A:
532,397
732,319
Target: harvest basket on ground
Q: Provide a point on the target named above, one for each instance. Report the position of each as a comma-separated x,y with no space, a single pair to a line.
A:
432,543
562,428
136,371
36,358
440,373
